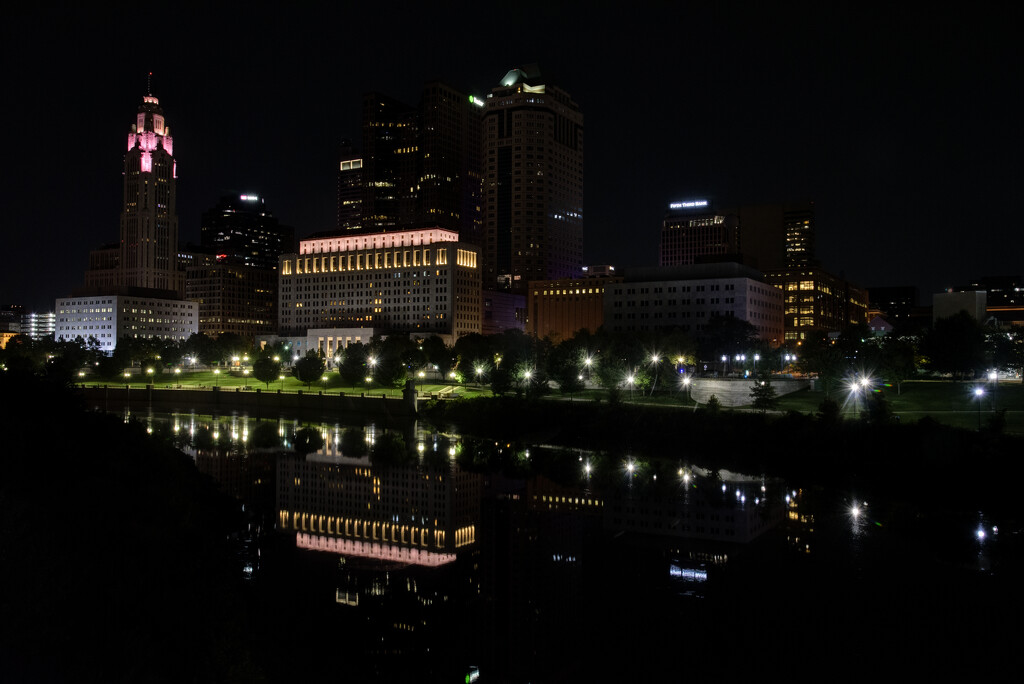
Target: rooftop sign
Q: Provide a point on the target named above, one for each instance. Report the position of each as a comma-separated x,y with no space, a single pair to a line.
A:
691,204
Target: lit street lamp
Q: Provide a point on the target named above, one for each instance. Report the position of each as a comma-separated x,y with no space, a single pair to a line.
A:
245,373
216,377
629,381
724,359
978,394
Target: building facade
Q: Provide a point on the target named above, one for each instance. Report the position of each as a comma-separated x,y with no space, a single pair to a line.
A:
692,230
149,221
231,295
243,228
39,326
533,183
560,308
420,166
689,297
419,282
350,188
111,317
817,302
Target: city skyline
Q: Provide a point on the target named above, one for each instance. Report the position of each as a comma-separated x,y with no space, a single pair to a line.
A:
893,126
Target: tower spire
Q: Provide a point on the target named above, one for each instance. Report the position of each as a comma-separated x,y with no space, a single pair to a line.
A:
149,83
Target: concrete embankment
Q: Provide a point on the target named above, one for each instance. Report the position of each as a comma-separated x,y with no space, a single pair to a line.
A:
254,402
737,392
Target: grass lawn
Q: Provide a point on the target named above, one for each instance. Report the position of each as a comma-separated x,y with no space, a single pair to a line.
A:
952,403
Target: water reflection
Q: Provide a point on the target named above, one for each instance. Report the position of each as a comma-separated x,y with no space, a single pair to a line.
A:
440,551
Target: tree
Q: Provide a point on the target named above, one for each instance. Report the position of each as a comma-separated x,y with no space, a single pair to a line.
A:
309,368
897,361
307,439
726,335
266,370
763,394
828,411
955,345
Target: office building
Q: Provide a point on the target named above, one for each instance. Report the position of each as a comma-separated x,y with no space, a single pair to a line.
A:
241,227
533,183
232,295
817,302
777,236
417,282
134,288
113,316
420,166
689,297
558,309
148,255
974,303
693,231
350,188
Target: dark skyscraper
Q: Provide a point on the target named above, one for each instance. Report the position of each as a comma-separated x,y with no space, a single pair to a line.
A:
242,227
149,221
694,231
533,184
350,188
421,165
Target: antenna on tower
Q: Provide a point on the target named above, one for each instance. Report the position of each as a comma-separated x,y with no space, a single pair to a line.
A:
149,84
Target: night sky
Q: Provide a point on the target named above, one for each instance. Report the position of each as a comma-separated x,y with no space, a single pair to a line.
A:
902,126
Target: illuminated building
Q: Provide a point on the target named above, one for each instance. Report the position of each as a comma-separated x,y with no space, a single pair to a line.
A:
560,308
350,188
38,325
149,221
777,236
692,229
420,165
689,297
113,316
342,504
134,288
533,184
421,282
241,227
817,302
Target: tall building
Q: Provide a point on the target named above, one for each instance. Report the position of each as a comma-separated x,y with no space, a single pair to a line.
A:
693,231
149,220
242,227
350,188
420,166
135,288
533,183
777,236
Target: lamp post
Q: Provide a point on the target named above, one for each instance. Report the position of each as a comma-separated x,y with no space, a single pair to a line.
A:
479,370
993,377
757,357
420,375
281,378
654,360
629,381
177,372
245,374
686,384
978,394
216,377
724,359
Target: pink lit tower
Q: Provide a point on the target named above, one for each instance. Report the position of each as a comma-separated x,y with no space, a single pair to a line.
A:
149,221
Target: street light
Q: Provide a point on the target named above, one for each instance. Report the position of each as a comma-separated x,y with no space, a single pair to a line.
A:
757,357
724,359
245,373
978,394
629,381
420,375
654,360
686,384
216,377
281,378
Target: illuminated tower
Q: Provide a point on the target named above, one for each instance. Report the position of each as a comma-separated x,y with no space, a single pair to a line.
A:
149,221
533,184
